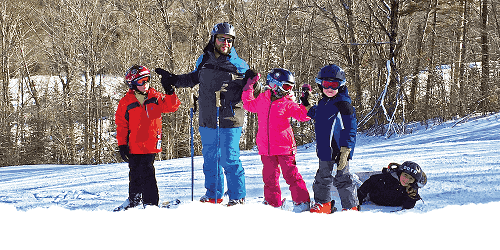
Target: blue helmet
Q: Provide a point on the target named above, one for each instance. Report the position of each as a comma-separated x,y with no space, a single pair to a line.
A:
281,81
331,72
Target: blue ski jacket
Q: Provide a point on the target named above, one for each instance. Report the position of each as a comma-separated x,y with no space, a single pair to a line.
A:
335,125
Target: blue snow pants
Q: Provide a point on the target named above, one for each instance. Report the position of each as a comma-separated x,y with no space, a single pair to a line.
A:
227,157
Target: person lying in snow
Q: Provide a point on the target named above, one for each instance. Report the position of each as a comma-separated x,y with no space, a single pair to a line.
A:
394,186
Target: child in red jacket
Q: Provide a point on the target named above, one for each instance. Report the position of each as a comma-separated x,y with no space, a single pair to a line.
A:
138,132
275,139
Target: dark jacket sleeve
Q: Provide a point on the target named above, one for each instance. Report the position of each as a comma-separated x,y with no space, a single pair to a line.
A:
312,112
364,190
188,80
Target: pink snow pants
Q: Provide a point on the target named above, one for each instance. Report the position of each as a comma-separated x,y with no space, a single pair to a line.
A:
271,174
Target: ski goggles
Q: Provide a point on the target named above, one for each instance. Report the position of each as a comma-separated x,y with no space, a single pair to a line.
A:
328,84
286,86
140,81
223,40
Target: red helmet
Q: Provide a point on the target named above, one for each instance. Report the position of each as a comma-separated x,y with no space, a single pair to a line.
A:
137,76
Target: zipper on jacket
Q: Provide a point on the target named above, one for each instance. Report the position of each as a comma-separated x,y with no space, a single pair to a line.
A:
146,108
268,128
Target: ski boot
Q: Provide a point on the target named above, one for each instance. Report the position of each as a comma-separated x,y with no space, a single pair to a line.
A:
301,207
236,202
206,199
126,205
324,208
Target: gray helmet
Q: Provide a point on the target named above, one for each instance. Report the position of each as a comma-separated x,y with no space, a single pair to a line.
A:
224,29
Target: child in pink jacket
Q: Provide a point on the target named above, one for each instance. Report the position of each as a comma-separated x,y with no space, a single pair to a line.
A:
275,139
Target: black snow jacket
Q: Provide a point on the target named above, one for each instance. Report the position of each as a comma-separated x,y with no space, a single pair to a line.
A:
386,190
211,73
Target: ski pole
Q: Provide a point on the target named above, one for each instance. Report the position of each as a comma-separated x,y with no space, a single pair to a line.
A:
192,110
218,105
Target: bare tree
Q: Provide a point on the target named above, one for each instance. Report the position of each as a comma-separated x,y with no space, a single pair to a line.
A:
485,59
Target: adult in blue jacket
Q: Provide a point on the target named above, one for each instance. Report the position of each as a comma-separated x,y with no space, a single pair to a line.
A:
219,68
335,127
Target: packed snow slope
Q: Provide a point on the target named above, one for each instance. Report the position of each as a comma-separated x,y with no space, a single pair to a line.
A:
68,207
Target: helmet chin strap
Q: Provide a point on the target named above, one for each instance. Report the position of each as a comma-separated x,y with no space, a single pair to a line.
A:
277,93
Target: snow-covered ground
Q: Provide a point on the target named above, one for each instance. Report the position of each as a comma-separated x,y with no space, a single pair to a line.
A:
68,207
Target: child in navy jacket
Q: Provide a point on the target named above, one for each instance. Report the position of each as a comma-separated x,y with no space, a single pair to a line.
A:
335,127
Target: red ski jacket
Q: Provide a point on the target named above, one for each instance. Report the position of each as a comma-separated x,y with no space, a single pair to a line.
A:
138,125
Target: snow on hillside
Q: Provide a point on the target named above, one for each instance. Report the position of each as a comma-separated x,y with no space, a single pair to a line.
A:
63,206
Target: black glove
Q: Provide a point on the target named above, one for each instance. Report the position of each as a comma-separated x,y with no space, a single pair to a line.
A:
306,95
304,100
166,80
163,73
124,152
249,75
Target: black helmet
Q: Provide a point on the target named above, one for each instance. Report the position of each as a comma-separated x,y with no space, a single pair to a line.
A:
415,171
411,168
281,81
224,29
331,72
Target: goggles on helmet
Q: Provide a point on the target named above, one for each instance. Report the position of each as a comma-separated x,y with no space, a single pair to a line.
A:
286,86
140,81
328,84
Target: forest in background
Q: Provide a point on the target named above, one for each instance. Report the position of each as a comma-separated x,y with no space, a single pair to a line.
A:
405,60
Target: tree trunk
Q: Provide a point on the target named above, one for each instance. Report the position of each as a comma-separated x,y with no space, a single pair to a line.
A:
431,67
461,61
412,107
485,59
354,53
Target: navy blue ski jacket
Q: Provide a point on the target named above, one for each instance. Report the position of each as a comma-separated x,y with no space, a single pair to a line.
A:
335,125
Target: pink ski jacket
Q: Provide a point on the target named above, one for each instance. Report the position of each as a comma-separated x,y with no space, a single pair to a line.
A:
275,135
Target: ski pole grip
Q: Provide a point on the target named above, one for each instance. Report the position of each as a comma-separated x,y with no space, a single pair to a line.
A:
192,100
217,99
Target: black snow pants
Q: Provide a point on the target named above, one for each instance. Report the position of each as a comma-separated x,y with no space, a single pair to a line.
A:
142,180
